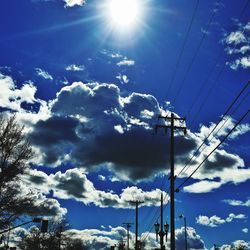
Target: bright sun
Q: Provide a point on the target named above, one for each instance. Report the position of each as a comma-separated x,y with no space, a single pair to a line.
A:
124,12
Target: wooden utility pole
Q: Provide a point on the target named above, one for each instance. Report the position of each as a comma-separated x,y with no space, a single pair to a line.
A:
128,226
172,128
136,222
161,232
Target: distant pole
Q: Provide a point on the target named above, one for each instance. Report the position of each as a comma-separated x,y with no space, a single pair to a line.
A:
185,224
136,222
161,232
172,128
172,204
136,225
128,225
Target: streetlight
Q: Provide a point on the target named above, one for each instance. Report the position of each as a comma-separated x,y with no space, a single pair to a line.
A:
161,233
166,228
157,228
35,220
185,224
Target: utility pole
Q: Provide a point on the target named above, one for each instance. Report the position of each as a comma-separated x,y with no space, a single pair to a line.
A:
128,226
185,226
160,229
172,128
161,232
136,222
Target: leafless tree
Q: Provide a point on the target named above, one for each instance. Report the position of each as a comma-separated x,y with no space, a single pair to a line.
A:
56,239
15,152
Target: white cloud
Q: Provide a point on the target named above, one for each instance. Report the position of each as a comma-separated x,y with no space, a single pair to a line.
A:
94,113
235,38
244,62
126,62
245,230
98,239
123,78
233,216
39,205
12,97
74,67
236,245
72,3
101,177
119,129
242,50
202,187
109,236
44,74
127,119
215,220
111,54
222,129
74,184
116,55
194,240
238,47
238,202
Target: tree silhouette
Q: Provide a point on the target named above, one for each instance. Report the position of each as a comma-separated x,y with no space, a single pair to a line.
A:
56,239
15,152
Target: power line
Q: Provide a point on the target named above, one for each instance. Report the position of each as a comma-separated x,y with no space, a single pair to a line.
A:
195,55
203,85
183,47
218,122
229,133
218,75
223,124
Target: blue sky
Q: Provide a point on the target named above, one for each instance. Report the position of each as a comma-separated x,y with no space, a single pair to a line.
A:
88,90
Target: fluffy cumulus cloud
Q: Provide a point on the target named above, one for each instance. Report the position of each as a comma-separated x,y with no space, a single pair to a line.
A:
238,47
104,238
98,239
72,3
238,244
12,97
91,238
194,240
74,184
39,204
92,124
215,221
229,167
95,125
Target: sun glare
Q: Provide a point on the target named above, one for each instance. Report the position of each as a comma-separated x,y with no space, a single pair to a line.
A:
124,12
